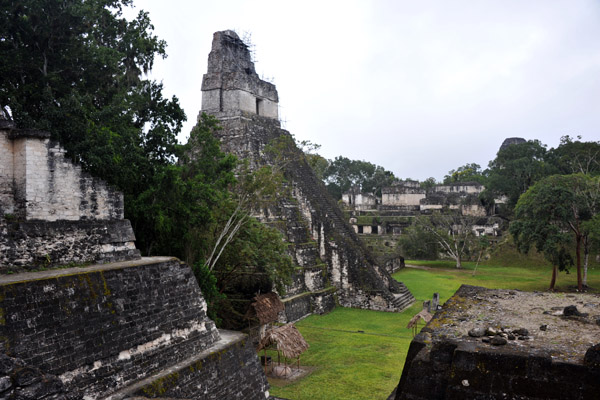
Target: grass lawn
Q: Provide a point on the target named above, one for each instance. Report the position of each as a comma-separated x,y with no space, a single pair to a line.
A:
351,365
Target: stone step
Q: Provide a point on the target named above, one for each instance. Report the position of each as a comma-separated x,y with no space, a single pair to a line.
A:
222,360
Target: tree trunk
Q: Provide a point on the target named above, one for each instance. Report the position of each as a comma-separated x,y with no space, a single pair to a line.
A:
458,262
553,280
586,258
579,283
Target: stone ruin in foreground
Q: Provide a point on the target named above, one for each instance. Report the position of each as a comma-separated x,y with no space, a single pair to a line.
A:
125,327
333,263
506,344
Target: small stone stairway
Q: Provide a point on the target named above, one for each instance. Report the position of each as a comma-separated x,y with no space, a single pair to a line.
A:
403,298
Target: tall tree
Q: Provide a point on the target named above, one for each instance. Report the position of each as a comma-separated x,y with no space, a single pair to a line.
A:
75,68
515,168
573,156
552,215
343,174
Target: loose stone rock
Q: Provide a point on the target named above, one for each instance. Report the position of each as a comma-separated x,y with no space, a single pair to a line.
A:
592,357
521,332
498,341
511,336
485,340
544,327
491,332
523,338
571,310
477,332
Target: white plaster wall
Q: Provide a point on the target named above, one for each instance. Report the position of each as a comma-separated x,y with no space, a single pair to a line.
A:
365,201
470,189
402,199
430,207
7,204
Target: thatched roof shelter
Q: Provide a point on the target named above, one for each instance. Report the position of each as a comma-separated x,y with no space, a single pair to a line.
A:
423,314
266,308
288,340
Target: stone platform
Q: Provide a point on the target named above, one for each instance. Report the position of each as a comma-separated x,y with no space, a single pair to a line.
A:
506,344
108,328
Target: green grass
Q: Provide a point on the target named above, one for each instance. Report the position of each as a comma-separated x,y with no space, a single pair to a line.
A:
352,365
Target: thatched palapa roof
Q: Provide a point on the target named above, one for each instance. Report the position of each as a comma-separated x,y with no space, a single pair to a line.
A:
423,314
288,340
266,307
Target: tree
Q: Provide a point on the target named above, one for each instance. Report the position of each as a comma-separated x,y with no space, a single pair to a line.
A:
515,169
418,243
552,215
428,183
452,231
467,173
181,198
74,68
574,156
343,174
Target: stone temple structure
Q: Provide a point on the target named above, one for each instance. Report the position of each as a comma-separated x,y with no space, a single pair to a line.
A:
126,327
333,264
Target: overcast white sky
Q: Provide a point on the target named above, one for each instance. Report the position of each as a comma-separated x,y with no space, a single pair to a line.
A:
419,87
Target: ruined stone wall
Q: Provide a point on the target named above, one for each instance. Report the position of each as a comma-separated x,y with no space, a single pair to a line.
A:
7,201
465,187
402,196
53,213
46,186
26,245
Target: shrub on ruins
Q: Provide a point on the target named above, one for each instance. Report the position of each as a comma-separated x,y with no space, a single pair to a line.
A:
515,168
470,172
557,215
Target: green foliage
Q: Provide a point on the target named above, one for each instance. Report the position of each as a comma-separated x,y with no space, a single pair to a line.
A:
515,169
75,69
428,183
418,243
552,214
208,285
467,173
452,231
342,174
574,156
180,199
